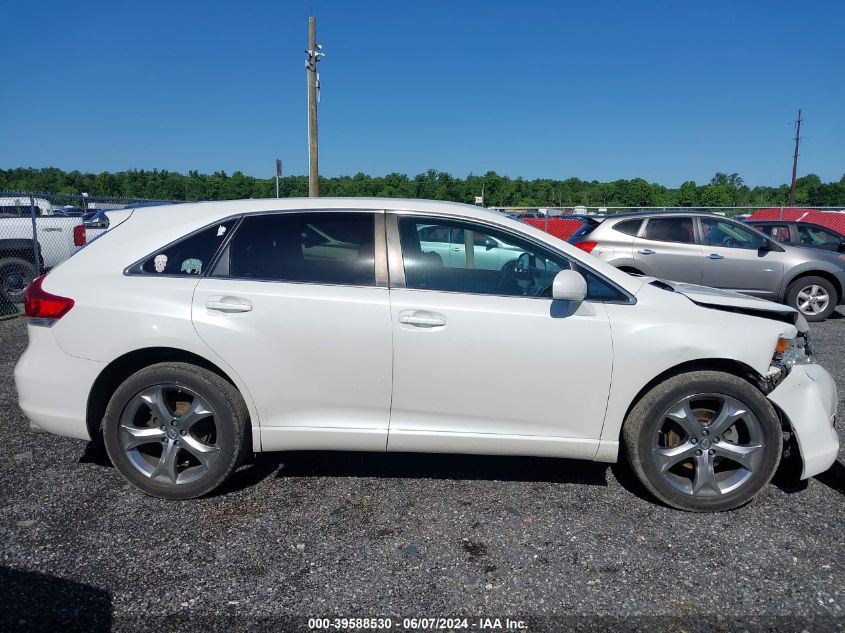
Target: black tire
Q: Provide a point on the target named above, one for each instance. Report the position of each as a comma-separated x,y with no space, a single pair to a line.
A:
646,424
230,421
795,288
15,275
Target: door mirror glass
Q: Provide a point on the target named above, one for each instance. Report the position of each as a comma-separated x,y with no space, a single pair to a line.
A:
569,285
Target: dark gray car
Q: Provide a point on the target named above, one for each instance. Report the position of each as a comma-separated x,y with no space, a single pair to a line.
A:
712,250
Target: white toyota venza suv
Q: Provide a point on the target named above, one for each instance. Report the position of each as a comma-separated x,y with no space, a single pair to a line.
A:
192,335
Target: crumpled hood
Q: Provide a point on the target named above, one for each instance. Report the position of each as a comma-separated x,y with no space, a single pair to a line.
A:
734,302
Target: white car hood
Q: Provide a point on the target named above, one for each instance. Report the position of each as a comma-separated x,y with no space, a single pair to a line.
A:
735,302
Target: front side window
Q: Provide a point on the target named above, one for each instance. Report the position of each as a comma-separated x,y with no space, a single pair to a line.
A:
670,230
482,260
191,255
816,236
731,235
329,248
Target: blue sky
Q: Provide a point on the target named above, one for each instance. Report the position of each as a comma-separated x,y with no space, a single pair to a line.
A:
667,91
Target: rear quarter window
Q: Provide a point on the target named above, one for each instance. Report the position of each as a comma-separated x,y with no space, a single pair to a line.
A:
191,255
629,227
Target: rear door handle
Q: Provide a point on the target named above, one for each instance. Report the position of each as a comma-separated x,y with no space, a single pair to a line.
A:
715,256
645,251
422,318
228,305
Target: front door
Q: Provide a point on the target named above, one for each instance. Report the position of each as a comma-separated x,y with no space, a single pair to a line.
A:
737,258
485,360
294,308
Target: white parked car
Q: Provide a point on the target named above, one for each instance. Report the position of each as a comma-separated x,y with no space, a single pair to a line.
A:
190,337
450,245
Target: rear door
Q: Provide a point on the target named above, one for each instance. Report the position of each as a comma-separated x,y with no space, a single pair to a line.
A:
298,306
737,258
667,249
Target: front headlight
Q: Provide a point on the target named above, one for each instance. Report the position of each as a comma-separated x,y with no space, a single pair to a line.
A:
792,351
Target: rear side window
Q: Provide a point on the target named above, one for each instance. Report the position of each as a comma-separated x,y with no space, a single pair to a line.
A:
628,227
670,230
779,232
191,255
329,248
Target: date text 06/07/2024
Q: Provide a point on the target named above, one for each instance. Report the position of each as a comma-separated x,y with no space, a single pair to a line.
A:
418,624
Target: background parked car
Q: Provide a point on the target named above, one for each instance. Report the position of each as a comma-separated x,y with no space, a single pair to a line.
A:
801,234
712,250
96,220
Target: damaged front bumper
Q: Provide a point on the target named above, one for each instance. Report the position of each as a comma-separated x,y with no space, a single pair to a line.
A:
807,397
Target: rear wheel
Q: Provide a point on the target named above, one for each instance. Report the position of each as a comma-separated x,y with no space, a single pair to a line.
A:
815,297
703,441
176,430
15,275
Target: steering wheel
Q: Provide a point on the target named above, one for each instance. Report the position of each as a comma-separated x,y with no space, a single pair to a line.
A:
508,277
517,273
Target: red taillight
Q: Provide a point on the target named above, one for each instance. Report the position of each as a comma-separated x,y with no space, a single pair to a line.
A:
39,304
587,247
79,235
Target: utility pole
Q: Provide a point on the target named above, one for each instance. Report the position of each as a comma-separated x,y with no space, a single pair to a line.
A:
795,160
315,53
278,174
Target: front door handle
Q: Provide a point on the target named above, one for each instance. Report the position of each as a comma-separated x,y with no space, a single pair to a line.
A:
645,251
715,256
228,305
422,318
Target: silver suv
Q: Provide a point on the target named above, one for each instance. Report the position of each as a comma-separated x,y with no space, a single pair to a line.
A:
712,250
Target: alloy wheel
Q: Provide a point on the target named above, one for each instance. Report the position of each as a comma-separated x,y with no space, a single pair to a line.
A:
170,434
708,445
813,299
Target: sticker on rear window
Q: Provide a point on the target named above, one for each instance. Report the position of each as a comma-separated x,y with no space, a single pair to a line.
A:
160,263
221,230
192,266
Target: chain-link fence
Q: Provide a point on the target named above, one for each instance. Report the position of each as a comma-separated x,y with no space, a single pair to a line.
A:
39,231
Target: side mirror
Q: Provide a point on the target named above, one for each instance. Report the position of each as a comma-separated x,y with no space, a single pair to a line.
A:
841,248
490,244
569,285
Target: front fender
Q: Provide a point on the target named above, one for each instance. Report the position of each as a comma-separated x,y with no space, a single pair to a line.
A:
664,331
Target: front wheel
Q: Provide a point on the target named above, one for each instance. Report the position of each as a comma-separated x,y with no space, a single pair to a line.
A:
815,297
703,441
175,430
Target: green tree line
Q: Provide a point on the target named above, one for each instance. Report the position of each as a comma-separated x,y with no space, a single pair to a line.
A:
501,191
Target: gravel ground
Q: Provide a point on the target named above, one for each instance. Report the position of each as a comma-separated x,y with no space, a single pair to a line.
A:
365,535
